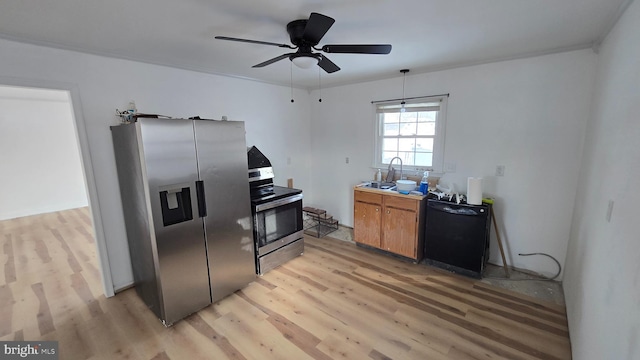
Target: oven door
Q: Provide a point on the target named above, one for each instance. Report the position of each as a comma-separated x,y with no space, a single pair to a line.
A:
277,223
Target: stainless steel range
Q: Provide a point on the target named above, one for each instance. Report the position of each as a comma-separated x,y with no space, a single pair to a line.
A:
277,216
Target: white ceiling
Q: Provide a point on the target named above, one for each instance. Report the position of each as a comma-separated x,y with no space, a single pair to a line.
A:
426,35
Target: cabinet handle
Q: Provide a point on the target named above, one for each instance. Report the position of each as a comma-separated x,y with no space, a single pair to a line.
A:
388,212
377,209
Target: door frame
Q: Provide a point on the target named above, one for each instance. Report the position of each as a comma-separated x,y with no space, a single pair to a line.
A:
87,167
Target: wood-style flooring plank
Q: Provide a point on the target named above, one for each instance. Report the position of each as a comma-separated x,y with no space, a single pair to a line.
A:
45,319
6,310
212,335
9,269
337,301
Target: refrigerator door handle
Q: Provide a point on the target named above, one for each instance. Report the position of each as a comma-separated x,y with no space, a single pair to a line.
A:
202,203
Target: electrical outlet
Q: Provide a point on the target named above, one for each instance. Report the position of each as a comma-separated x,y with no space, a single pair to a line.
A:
500,170
346,160
288,161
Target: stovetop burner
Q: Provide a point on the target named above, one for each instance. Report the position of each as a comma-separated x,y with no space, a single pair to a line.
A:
278,192
261,192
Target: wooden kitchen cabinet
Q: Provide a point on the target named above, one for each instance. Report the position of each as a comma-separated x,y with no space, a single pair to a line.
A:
389,221
367,223
400,232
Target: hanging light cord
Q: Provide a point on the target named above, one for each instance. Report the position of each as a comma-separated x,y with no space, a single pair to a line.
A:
404,80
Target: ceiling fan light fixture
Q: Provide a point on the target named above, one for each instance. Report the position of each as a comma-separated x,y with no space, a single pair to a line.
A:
304,61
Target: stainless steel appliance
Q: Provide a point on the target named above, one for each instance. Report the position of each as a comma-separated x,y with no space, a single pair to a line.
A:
277,216
457,236
187,211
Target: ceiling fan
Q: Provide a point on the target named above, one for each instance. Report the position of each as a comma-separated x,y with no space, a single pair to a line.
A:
305,36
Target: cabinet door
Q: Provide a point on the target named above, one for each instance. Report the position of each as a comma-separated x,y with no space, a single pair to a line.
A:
366,227
399,232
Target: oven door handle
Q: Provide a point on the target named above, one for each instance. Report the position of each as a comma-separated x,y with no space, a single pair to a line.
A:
280,202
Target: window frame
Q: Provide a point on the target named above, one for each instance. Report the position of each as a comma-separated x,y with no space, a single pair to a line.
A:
437,163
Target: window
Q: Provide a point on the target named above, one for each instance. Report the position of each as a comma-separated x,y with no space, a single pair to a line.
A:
413,131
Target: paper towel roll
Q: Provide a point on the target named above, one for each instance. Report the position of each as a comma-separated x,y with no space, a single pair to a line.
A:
474,191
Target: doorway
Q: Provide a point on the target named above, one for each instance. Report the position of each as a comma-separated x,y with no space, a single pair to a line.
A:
41,161
48,163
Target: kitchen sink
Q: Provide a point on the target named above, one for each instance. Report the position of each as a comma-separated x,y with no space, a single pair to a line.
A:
380,185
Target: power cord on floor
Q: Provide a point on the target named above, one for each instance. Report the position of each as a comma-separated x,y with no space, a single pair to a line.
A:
540,277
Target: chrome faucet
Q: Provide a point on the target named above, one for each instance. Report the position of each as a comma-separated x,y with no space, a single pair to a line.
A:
389,168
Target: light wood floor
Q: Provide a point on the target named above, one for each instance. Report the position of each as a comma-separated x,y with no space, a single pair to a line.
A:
335,302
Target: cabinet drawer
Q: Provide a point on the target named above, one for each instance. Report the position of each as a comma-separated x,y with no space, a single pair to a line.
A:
400,203
368,197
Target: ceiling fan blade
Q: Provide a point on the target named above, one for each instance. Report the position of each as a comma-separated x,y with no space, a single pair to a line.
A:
358,49
271,61
254,42
316,27
327,65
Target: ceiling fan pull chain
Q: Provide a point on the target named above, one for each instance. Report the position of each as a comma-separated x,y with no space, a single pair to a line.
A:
319,85
291,82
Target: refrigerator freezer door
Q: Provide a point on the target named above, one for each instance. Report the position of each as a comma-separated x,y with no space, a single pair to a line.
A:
172,171
222,161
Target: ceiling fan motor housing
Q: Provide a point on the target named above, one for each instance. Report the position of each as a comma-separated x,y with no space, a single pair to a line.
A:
295,29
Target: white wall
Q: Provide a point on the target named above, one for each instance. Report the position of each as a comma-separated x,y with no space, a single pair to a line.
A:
278,127
528,114
602,280
39,155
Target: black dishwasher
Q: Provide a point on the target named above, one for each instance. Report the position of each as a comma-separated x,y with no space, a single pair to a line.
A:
457,236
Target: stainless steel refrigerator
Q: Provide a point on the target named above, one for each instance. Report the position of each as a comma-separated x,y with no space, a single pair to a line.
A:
185,197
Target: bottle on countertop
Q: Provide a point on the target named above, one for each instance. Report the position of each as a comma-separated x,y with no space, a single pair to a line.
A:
379,175
424,183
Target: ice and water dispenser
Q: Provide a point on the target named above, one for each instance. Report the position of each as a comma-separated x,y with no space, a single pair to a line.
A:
175,202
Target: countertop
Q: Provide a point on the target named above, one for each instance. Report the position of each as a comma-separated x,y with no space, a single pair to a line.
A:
387,192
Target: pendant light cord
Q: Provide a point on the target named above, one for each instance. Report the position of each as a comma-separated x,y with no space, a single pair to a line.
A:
404,79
